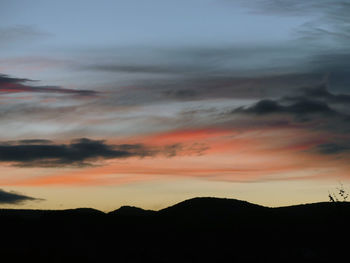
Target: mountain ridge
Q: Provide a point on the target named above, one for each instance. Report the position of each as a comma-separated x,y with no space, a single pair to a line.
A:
204,208
195,230
197,202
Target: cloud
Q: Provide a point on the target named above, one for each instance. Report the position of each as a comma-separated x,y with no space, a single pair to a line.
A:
326,19
316,109
207,87
320,93
181,94
258,71
79,152
9,85
145,69
307,100
15,198
255,70
333,148
19,34
299,108
297,7
35,141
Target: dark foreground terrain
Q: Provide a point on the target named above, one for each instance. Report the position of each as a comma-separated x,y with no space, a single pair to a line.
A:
196,230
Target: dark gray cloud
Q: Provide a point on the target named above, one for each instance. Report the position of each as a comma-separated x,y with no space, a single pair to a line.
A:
10,85
14,198
300,107
35,141
27,142
335,65
333,148
79,152
320,93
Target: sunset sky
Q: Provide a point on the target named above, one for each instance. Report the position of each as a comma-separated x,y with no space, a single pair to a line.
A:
147,103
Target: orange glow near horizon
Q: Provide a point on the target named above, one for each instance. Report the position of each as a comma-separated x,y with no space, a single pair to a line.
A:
228,156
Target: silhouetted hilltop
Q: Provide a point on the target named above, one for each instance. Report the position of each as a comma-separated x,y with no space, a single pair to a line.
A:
208,206
131,211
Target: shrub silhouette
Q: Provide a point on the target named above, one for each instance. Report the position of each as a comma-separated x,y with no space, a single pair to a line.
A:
340,196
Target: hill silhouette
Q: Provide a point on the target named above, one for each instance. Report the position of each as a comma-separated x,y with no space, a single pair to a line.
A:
131,211
210,206
196,230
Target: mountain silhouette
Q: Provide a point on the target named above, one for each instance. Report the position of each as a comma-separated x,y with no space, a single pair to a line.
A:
131,211
209,206
202,230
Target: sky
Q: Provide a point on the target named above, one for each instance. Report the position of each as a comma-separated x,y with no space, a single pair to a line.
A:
148,103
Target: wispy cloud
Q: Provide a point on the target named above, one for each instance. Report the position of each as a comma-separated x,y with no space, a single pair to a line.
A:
10,85
15,198
20,33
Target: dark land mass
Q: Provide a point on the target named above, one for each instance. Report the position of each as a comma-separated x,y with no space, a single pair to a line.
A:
196,230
